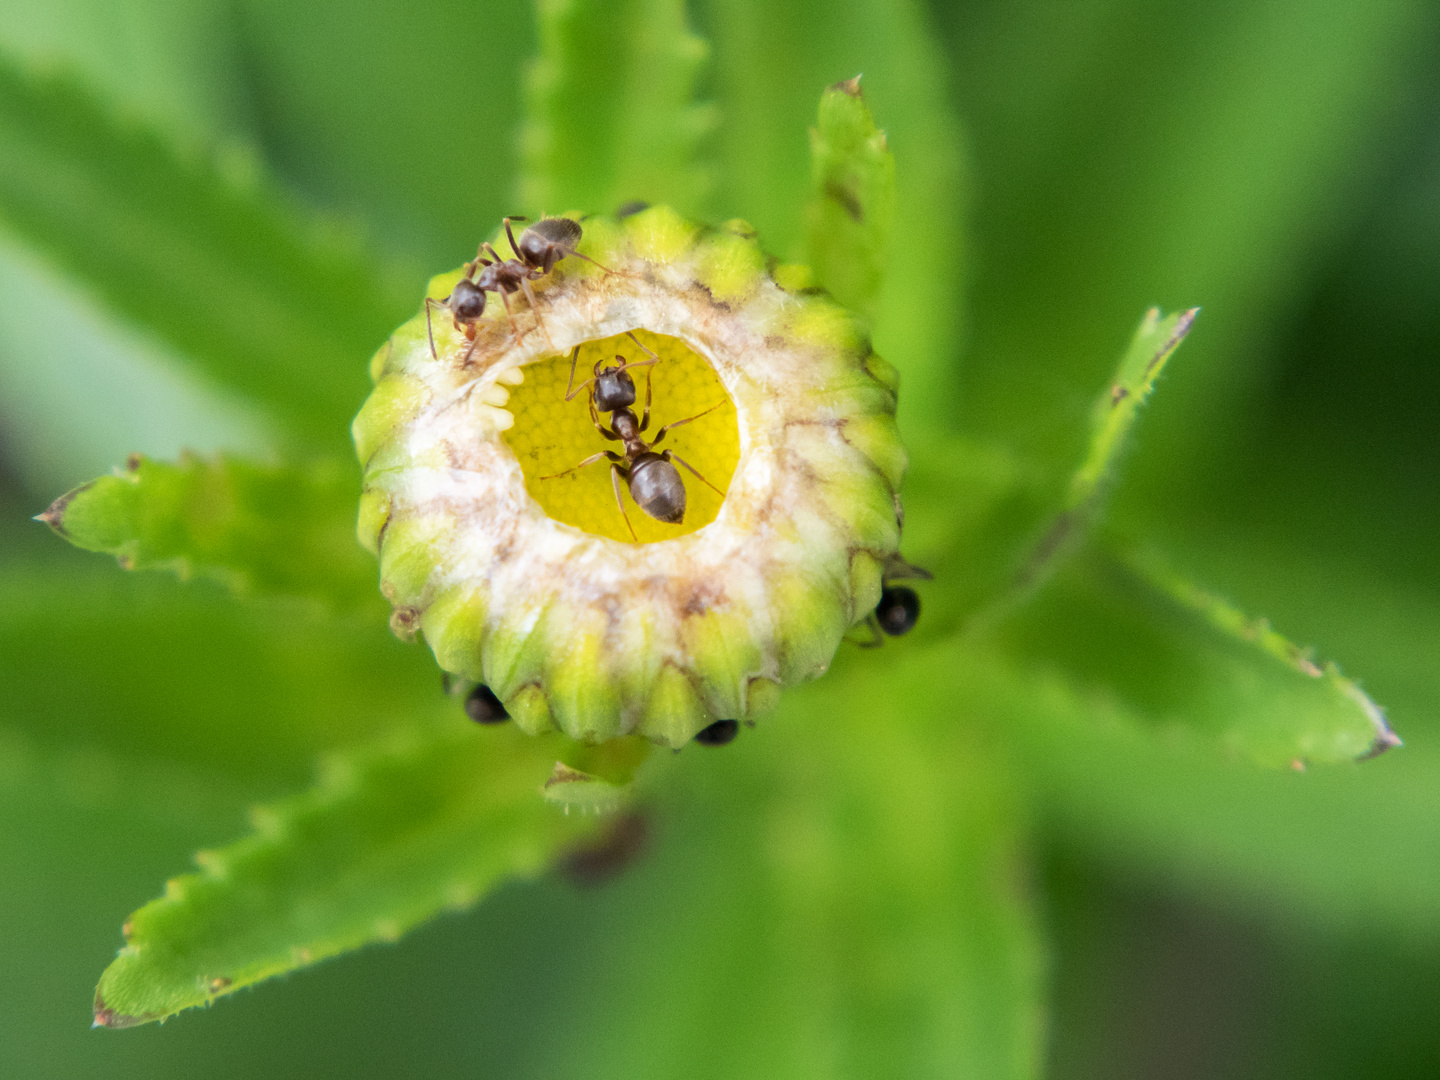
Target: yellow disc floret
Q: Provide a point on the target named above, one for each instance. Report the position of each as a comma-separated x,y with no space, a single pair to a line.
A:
551,436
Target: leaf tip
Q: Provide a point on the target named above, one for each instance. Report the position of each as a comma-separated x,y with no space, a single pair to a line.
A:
850,87
1383,741
54,514
106,1017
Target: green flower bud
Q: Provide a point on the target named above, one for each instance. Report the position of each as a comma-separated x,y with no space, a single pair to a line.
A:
591,615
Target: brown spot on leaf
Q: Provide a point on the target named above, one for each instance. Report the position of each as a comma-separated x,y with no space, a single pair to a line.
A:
609,854
848,200
54,514
404,621
848,86
133,462
107,1017
1118,394
220,982
1383,741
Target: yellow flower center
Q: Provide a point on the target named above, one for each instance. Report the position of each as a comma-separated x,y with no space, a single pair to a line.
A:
552,435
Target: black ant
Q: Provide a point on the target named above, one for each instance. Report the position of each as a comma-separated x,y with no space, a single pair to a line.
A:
541,246
654,483
899,606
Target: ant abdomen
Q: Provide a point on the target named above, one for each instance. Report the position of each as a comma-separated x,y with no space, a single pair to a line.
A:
656,487
548,241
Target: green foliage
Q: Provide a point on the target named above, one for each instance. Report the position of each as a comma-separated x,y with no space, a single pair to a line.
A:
770,62
255,528
852,887
1192,664
277,312
852,199
611,112
385,840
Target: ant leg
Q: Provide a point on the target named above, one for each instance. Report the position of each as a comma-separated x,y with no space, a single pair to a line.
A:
661,433
591,460
668,454
514,326
876,637
429,327
588,259
514,246
570,388
595,419
471,350
530,296
645,420
653,358
619,502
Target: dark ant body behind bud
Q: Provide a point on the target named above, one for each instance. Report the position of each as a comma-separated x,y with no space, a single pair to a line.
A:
899,606
898,610
482,706
719,733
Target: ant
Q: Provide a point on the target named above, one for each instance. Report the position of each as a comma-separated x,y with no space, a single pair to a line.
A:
654,482
899,606
541,246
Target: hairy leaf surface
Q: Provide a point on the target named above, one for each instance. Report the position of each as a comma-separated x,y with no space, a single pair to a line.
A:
386,840
611,112
852,199
771,60
256,528
1194,666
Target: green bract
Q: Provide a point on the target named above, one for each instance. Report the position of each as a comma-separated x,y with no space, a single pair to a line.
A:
593,635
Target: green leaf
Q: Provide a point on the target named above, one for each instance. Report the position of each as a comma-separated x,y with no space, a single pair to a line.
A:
611,112
976,511
1194,666
218,268
241,695
770,61
386,840
1111,419
1144,152
852,199
255,528
842,891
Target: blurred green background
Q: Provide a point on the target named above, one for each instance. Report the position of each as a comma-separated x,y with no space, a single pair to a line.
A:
1276,162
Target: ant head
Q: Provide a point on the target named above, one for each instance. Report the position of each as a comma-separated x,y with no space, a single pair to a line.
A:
467,301
614,389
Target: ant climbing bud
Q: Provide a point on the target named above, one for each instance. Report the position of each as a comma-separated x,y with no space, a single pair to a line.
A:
482,706
719,733
898,610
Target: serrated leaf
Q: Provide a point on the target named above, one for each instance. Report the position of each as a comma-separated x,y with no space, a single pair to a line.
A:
611,115
258,529
219,269
1111,419
852,199
386,840
976,511
1194,666
770,61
